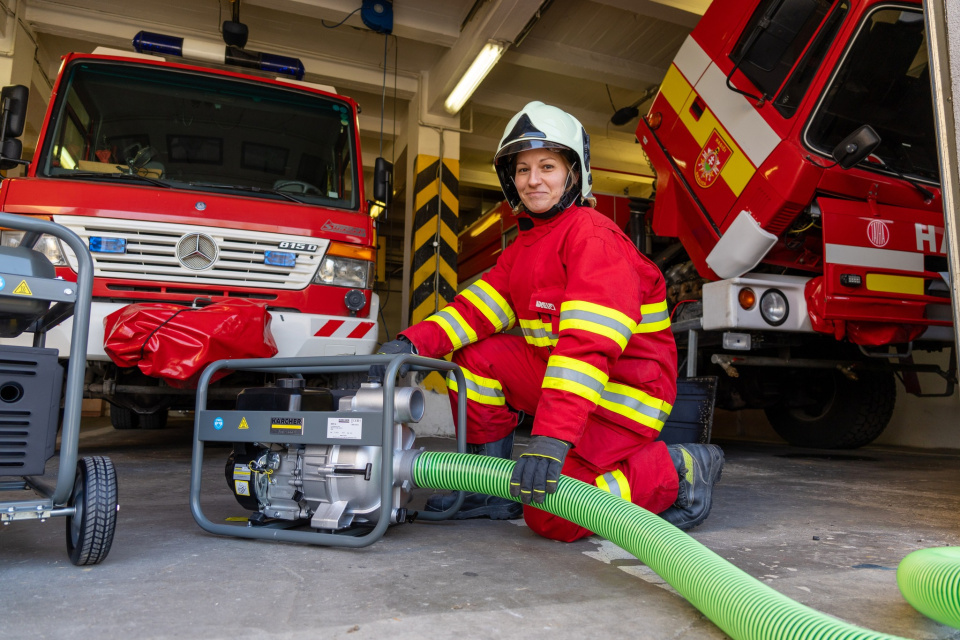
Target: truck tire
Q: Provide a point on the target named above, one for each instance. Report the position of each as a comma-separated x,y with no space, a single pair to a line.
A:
123,418
827,410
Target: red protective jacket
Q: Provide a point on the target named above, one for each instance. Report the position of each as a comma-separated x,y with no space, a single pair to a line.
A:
590,305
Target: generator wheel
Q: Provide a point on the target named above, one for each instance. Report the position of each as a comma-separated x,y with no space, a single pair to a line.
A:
123,418
90,529
825,409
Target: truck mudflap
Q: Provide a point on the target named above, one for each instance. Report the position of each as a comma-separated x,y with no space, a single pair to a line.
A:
296,334
879,282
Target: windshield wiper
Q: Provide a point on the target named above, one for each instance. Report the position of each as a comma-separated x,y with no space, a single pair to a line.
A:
251,189
112,176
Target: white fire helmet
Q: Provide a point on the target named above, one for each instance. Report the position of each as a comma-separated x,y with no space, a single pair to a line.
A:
541,126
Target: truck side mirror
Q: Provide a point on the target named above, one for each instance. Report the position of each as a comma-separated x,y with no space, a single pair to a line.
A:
382,181
14,101
10,152
856,146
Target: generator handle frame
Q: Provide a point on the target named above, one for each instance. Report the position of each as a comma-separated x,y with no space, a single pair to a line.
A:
81,298
316,365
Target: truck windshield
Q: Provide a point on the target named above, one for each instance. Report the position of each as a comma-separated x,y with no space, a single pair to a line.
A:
883,81
198,131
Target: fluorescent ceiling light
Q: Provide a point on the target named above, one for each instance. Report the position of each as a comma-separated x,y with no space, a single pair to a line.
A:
487,57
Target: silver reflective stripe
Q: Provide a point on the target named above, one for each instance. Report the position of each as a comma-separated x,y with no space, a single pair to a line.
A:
492,305
659,316
634,404
575,376
455,325
612,484
596,318
539,333
474,387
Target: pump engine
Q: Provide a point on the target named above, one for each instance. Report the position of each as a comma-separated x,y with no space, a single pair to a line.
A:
330,487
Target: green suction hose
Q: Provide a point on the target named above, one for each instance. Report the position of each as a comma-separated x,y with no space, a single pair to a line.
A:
929,580
739,604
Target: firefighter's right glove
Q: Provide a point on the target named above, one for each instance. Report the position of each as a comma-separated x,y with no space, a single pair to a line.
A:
394,347
538,469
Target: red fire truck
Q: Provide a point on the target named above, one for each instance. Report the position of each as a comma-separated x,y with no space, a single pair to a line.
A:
799,214
192,183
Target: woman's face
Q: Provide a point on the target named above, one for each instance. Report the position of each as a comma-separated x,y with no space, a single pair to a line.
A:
540,177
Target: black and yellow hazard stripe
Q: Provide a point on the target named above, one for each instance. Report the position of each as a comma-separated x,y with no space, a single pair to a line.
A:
435,225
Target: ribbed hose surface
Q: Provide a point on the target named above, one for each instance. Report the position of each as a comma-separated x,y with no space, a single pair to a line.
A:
739,604
929,579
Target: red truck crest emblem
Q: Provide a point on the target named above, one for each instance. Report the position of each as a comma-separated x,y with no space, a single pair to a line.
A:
713,156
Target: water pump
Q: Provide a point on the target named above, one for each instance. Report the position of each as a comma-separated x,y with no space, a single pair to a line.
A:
329,487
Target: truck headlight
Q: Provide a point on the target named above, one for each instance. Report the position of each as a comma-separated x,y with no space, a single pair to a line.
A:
774,307
47,245
345,272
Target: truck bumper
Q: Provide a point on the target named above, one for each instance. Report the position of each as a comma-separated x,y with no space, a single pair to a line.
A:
296,334
722,310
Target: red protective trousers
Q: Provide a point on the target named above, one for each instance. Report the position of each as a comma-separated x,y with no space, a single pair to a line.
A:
627,462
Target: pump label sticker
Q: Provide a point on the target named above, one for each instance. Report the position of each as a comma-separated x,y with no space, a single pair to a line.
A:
345,428
241,472
286,426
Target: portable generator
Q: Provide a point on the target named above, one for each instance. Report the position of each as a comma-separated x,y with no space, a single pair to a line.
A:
34,300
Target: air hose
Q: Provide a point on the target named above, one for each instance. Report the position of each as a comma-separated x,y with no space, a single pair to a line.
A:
742,606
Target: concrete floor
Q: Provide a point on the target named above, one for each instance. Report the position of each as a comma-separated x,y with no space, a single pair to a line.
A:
826,529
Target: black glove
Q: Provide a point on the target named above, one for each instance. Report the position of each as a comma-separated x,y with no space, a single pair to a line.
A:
538,469
400,345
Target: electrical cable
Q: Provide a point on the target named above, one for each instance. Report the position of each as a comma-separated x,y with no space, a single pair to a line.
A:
324,22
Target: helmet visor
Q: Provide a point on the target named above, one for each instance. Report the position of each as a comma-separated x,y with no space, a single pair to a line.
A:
513,148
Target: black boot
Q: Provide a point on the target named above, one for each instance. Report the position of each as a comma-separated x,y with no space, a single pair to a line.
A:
699,467
479,505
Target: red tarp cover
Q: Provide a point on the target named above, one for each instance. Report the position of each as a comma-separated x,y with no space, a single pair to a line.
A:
175,343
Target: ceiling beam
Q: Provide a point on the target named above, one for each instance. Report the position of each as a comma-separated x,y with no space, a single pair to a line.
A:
115,30
433,21
683,12
500,20
562,59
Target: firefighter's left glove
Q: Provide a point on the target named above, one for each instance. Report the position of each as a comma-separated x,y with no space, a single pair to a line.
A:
394,347
538,469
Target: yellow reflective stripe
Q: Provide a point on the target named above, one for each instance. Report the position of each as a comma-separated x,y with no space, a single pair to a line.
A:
602,484
479,389
594,318
456,328
654,317
574,376
535,333
615,483
635,405
491,304
600,310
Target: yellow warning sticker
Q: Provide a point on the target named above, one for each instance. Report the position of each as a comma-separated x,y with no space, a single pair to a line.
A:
23,289
243,424
241,487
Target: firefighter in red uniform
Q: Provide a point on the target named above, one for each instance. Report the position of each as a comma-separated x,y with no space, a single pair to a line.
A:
596,363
